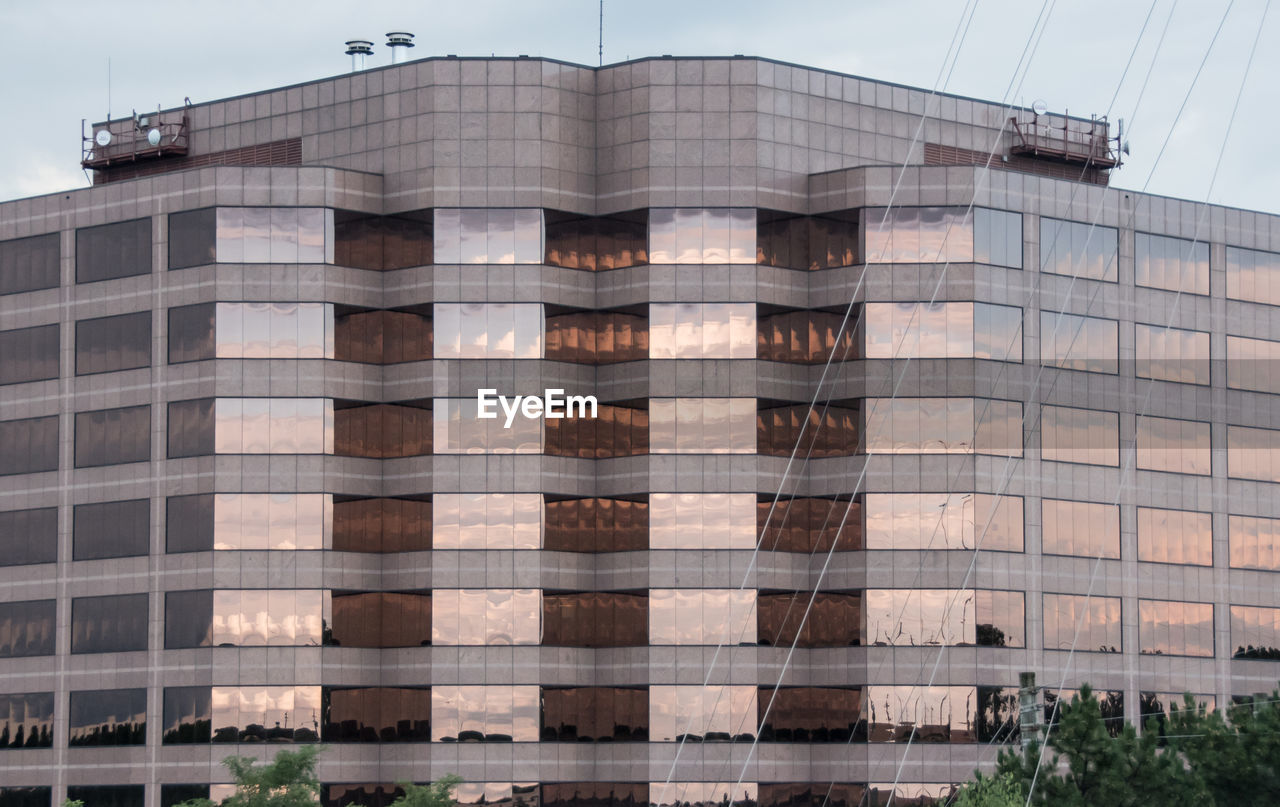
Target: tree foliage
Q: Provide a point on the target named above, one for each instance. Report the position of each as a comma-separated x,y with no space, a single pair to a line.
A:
1194,758
437,794
289,780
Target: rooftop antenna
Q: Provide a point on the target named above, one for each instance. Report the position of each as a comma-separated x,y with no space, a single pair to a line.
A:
358,49
108,88
399,42
601,53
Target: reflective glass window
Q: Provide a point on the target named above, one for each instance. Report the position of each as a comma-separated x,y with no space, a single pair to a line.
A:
809,525
265,714
807,432
108,717
597,337
809,714
702,616
1087,529
702,425
923,714
1251,275
109,624
1157,707
943,331
596,794
109,251
833,619
1175,628
30,264
1254,542
1176,446
381,525
382,242
382,337
284,521
113,436
187,715
1170,354
376,714
29,354
458,430
997,237
1079,435
493,616
493,713
590,714
943,521
597,243
35,796
274,331
191,332
1078,250
702,235
997,715
269,617
27,628
702,521
273,426
1098,620
26,721
1110,704
108,795
807,242
488,235
188,619
596,525
359,795
1255,632
497,794
806,337
703,794
274,235
28,446
190,427
917,617
1252,363
488,330
192,238
111,530
1175,536
381,431
1175,264
595,619
380,619
173,795
28,536
943,426
486,521
919,235
702,330
1253,453
1079,343
702,713
605,431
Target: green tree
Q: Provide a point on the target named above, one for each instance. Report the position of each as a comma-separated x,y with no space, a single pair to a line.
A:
1238,761
437,794
1001,790
287,781
1123,770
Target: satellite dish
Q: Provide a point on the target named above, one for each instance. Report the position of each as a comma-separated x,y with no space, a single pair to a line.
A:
1039,107
102,138
153,137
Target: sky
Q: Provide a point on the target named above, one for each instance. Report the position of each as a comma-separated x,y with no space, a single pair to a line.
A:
56,56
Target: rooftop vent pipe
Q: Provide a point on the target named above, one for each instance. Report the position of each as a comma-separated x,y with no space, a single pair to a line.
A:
399,42
358,49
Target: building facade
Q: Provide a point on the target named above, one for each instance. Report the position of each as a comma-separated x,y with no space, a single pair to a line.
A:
794,558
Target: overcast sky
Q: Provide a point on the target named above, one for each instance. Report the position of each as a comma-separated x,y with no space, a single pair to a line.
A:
56,63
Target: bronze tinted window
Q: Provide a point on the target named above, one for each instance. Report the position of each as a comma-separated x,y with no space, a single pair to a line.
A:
108,717
29,354
808,525
192,235
188,714
191,332
830,794
380,619
30,264
809,714
27,628
376,714
173,795
108,795
109,624
382,337
589,714
597,337
596,794
382,431
805,337
382,242
596,244
997,715
115,250
111,530
189,523
359,795
188,619
381,525
1001,619
191,429
807,242
26,721
614,431
29,446
113,343
113,436
596,525
29,536
817,432
835,619
595,619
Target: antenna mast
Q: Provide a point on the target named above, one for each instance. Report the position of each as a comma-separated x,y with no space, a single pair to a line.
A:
601,53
